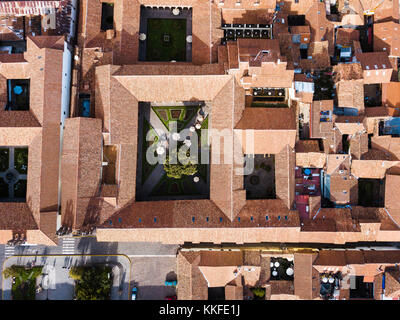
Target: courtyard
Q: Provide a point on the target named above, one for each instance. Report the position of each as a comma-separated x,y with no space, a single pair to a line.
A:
162,181
165,34
13,173
371,192
261,183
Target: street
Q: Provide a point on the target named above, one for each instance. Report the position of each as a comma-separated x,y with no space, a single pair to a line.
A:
150,265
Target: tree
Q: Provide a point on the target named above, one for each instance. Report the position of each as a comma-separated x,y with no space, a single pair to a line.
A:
177,170
94,284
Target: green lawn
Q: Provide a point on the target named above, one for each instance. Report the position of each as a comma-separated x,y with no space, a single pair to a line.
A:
160,50
24,287
180,114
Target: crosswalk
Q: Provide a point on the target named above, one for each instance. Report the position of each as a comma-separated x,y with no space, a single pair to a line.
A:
68,245
9,251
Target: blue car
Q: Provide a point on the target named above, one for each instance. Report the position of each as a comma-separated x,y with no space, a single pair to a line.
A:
134,293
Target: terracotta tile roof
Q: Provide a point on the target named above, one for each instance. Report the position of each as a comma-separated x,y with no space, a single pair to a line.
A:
391,97
350,124
331,220
336,162
339,257
16,216
368,60
319,51
373,215
387,144
305,146
10,119
38,129
311,159
373,169
81,164
345,36
386,37
304,285
11,58
299,29
392,281
267,119
53,42
176,88
343,189
321,28
347,71
392,195
270,126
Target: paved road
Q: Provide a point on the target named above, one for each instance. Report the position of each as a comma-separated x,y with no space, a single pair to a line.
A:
61,286
161,258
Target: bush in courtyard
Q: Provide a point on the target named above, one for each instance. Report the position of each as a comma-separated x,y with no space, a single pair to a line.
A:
178,170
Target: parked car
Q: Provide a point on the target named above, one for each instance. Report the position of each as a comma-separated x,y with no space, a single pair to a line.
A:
134,293
170,283
170,298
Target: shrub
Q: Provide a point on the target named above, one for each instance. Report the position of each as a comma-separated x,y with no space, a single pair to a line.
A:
76,273
177,170
93,284
259,292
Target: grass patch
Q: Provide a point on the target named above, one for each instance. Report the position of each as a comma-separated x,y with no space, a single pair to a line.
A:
24,287
166,40
182,115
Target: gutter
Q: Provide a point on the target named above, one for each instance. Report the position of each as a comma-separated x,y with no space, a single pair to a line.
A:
66,92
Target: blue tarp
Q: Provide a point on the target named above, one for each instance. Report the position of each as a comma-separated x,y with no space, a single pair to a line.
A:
392,126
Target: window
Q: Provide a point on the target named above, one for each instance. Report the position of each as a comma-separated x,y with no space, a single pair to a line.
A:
107,16
18,94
